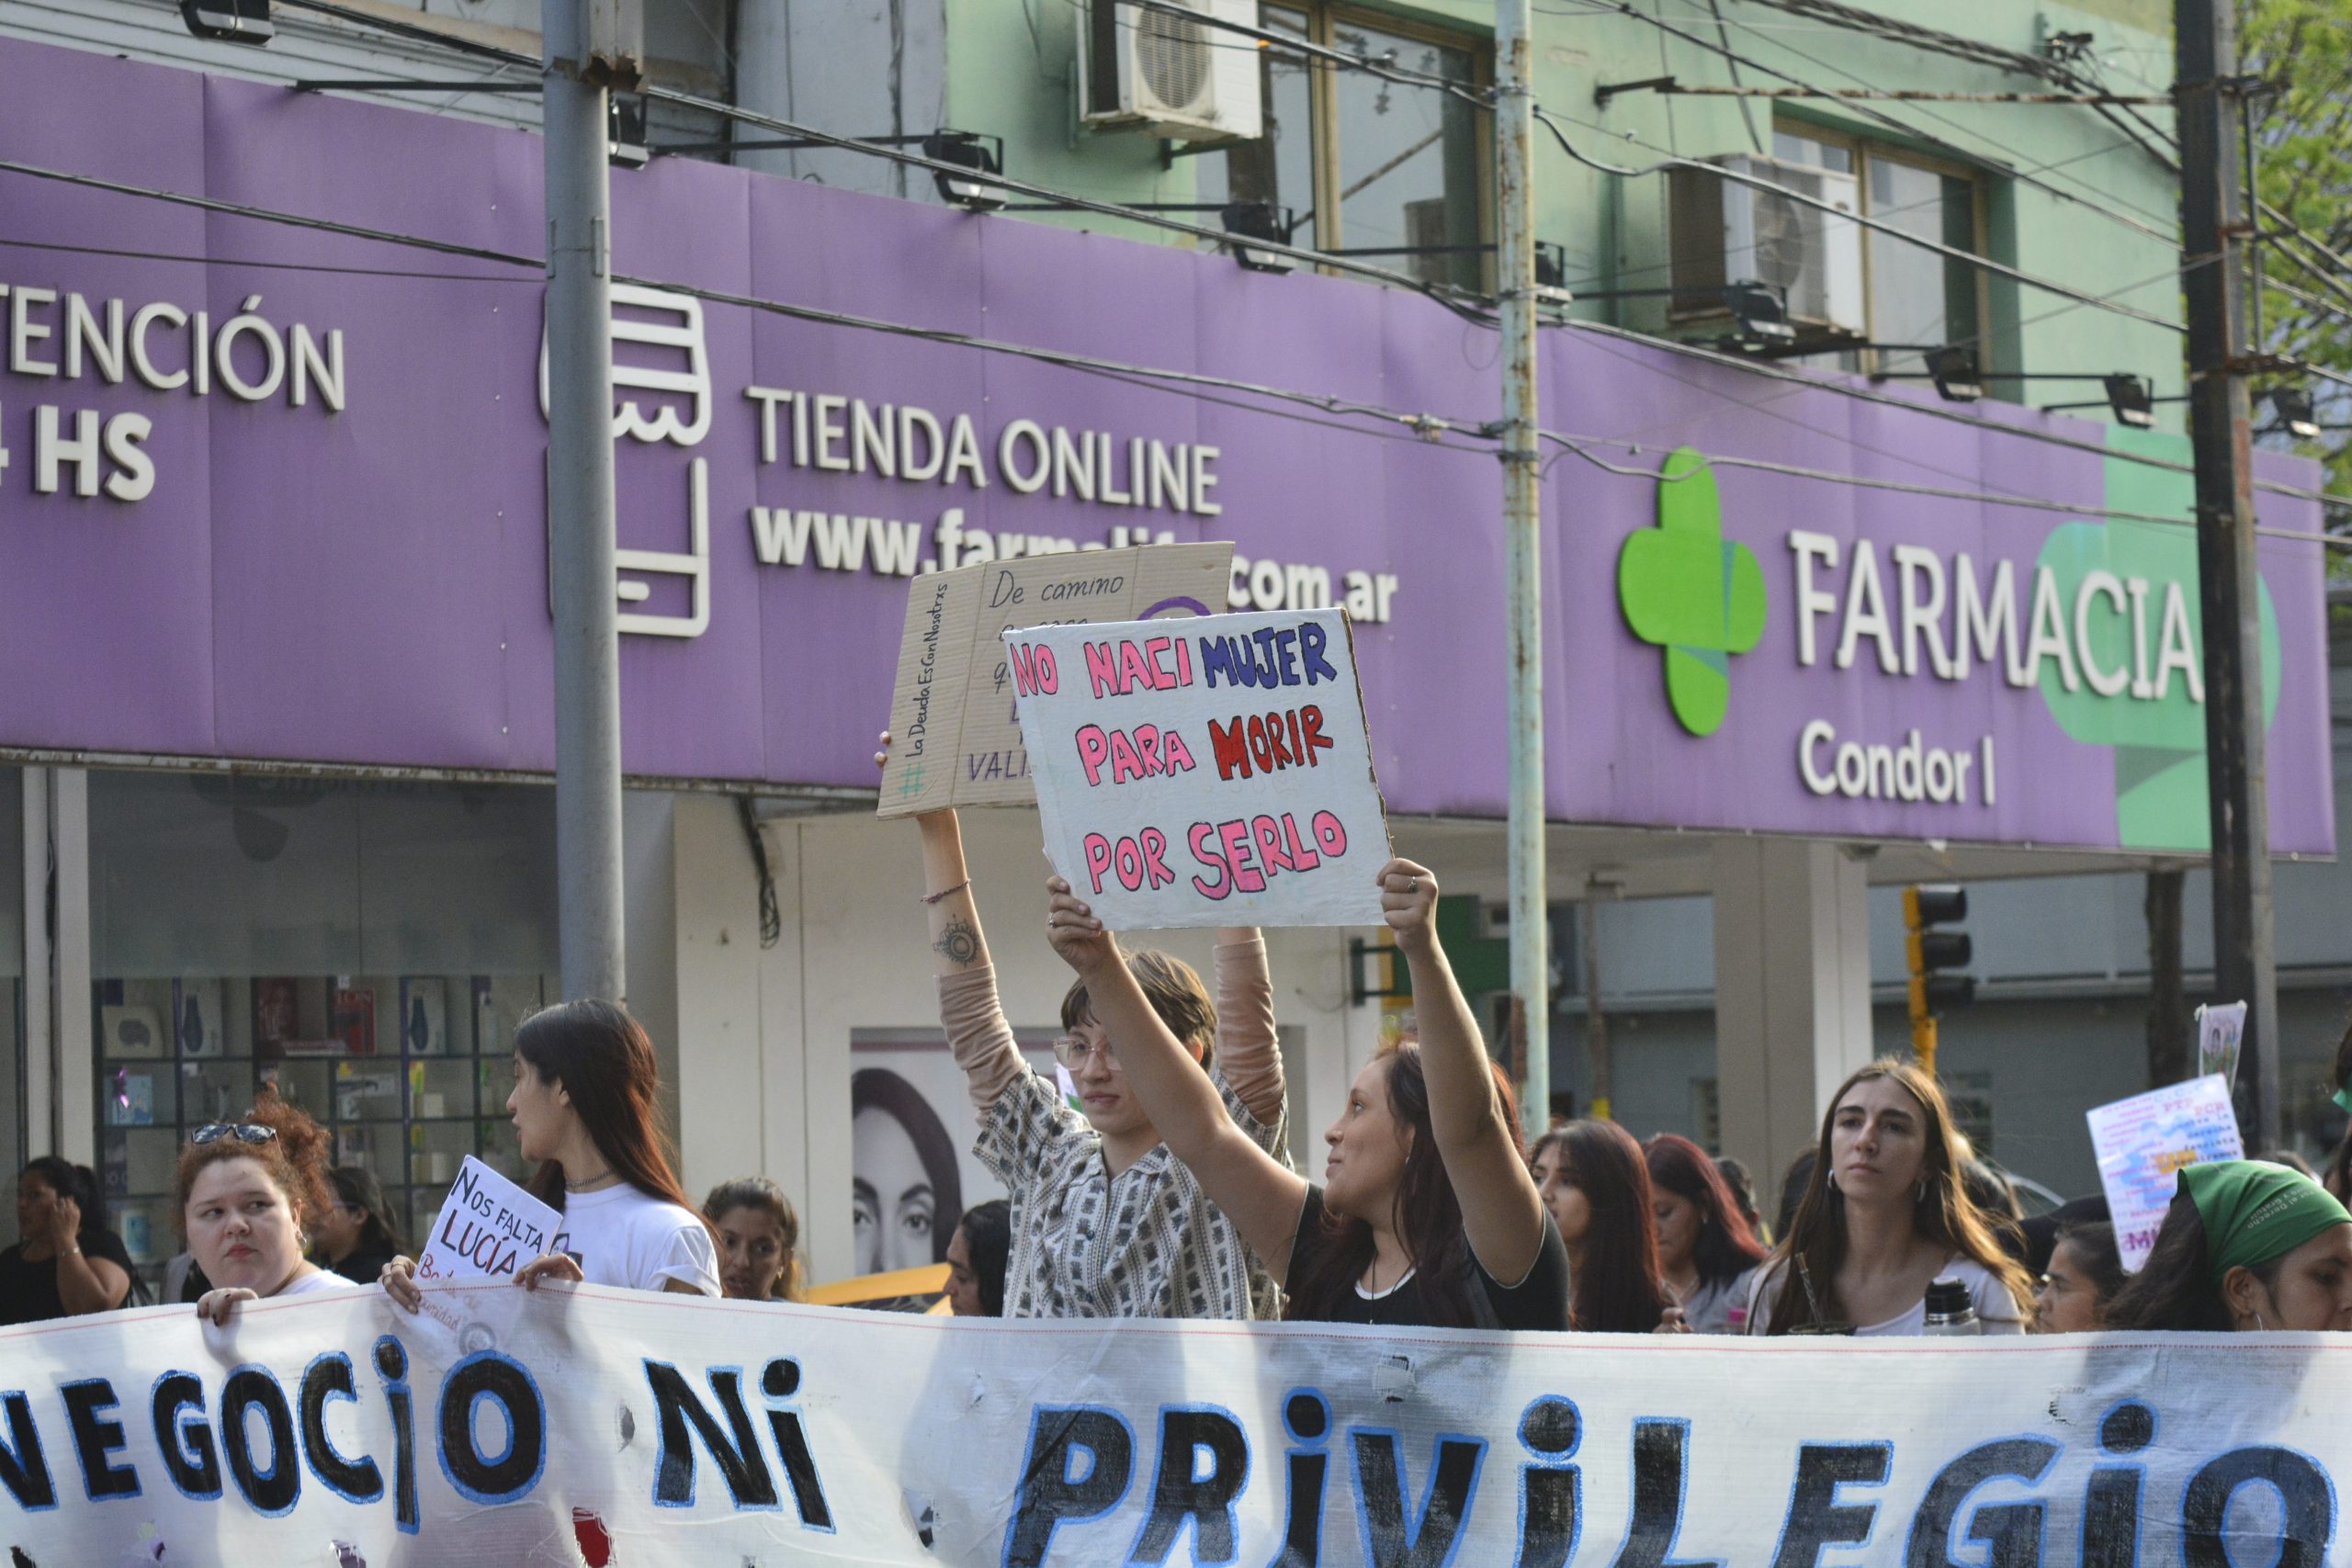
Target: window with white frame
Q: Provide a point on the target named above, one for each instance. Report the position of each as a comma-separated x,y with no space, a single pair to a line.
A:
1364,164
1912,296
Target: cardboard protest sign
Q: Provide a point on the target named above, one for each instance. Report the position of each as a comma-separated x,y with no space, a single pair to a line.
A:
1205,773
488,1228
955,739
2142,1142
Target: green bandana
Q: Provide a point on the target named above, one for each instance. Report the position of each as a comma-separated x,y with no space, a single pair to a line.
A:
2255,1212
2343,1098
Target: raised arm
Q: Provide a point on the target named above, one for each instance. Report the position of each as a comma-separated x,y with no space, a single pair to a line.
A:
968,1009
1501,1211
1261,1197
1249,1050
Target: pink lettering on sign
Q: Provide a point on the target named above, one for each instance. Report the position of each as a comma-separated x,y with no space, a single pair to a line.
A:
1240,855
1155,664
1137,860
1145,752
1033,670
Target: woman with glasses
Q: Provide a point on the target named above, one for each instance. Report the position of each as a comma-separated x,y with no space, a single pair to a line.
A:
1106,1222
759,1240
1428,1215
247,1192
585,1107
357,1235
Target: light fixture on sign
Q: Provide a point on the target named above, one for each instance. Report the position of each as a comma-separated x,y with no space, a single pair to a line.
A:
2132,398
233,21
2292,408
1247,220
966,150
1957,376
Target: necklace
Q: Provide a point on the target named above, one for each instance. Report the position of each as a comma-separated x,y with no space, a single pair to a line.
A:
601,1178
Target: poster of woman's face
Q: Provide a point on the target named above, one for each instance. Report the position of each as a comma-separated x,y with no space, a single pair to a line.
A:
913,1171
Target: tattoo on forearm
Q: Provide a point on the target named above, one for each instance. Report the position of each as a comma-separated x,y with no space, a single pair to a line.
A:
959,943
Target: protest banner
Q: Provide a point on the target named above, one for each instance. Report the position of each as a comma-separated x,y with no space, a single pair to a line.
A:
955,739
2220,1031
2142,1142
1206,772
488,1228
587,1428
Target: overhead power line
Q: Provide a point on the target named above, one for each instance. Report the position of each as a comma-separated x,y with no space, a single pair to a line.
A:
1950,253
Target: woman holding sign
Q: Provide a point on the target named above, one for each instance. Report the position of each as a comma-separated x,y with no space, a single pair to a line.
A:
248,1192
1428,1215
1885,1214
585,1088
1106,1223
2245,1245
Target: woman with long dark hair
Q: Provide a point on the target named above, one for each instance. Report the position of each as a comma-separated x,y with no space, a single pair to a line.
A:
1705,1250
2245,1245
1883,1216
357,1236
66,1261
904,1177
586,1090
1427,1216
2084,1275
1591,1177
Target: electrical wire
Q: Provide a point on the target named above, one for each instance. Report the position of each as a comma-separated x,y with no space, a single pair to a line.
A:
1950,253
1435,293
1579,446
1869,109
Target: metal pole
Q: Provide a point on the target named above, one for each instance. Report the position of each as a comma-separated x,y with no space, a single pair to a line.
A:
579,505
1515,280
2213,219
1599,1064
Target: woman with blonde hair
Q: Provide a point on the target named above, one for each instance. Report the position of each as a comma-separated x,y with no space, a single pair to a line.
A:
1884,1214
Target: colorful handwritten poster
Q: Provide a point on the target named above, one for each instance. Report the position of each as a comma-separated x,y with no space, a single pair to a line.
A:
955,740
2142,1142
488,1228
1205,773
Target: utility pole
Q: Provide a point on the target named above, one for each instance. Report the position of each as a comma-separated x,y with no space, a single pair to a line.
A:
590,47
1531,959
2213,222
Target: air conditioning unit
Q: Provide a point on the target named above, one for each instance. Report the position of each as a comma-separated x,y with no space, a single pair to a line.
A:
1724,233
1143,66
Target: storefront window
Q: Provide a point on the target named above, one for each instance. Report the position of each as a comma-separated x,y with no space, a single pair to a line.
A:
367,948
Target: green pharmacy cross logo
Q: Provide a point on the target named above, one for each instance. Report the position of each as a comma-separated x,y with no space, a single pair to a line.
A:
1687,590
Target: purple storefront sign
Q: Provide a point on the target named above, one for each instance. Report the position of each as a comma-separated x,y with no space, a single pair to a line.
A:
334,549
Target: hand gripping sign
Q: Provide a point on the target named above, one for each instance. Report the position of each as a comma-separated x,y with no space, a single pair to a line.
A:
488,1228
1204,773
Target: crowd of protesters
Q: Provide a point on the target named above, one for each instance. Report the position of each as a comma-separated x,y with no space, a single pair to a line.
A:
1167,1191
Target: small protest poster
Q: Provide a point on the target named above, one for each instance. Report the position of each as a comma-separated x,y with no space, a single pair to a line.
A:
2221,1030
955,740
2142,1142
1205,773
488,1228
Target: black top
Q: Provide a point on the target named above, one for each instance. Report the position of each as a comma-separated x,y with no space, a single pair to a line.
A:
1540,1301
363,1266
28,1290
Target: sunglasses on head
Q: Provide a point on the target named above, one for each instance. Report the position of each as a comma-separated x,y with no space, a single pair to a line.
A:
243,1132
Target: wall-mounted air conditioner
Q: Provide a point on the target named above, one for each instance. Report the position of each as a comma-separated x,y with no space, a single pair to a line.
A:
1723,232
1143,66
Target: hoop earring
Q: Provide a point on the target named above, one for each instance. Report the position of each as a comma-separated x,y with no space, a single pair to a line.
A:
1832,1179
1919,1193
2259,1326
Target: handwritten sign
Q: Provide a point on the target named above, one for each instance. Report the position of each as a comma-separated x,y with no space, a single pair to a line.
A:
2142,1142
954,738
488,1228
1205,773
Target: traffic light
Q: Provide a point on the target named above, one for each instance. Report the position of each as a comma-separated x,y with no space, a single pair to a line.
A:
1935,951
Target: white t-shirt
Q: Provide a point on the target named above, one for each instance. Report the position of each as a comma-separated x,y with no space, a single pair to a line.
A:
1996,1310
312,1283
620,1236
